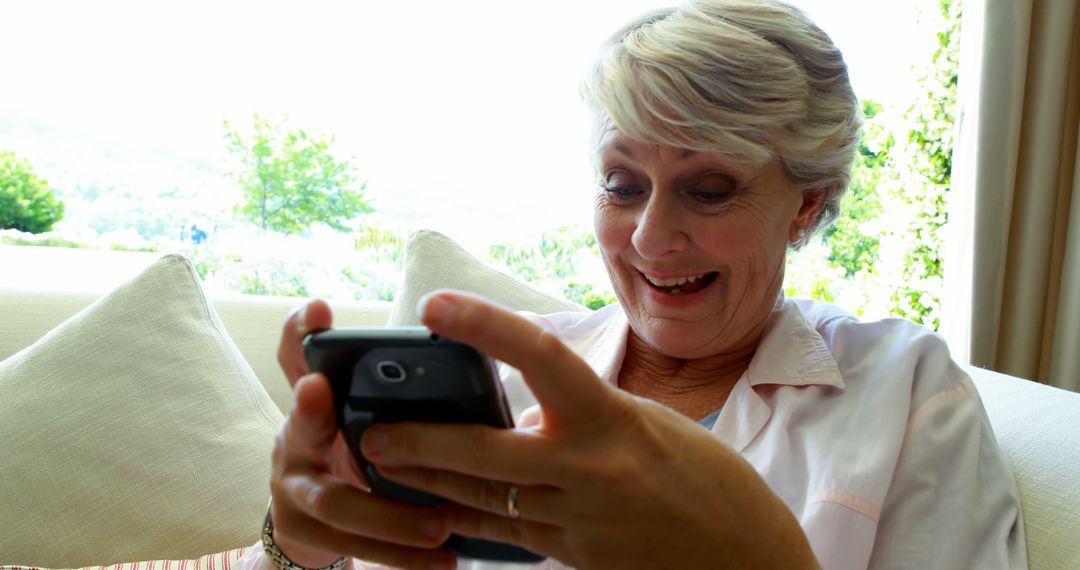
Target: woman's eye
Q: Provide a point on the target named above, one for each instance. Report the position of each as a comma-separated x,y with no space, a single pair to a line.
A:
619,186
714,190
620,192
711,197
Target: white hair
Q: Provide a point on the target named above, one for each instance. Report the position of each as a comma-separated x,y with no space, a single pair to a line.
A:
744,79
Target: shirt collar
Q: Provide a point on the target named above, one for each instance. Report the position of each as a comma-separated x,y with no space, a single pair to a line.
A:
791,351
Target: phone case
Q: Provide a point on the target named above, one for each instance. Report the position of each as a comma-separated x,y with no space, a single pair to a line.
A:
408,374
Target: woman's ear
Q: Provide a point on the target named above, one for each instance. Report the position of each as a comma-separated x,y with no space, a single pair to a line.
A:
812,201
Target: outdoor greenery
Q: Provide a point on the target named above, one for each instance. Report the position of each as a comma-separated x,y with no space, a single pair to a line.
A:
931,135
44,241
291,180
296,200
883,256
281,281
558,261
27,202
381,244
552,256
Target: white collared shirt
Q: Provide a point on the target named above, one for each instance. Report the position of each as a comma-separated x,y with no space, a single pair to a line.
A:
869,432
875,439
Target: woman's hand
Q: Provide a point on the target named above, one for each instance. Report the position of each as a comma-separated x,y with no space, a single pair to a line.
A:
321,507
604,479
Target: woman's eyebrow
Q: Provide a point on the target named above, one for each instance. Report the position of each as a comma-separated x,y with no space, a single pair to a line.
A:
622,148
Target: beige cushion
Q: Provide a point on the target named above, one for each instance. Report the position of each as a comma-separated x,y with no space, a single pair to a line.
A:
133,431
1038,426
253,321
434,261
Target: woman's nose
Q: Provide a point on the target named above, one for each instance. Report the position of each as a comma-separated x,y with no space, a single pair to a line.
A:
660,228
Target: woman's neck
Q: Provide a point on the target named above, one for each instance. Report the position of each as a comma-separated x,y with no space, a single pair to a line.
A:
694,387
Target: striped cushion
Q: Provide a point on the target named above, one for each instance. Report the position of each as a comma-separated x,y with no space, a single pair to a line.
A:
216,561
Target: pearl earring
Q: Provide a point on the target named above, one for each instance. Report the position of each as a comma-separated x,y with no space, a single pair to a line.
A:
799,235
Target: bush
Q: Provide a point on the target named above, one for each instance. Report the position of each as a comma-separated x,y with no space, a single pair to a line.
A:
381,244
46,241
140,248
26,202
564,262
279,281
585,294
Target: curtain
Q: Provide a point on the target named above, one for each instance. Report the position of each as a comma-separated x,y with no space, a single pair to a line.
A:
1013,259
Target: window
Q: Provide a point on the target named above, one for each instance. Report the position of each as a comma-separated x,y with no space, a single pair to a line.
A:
462,117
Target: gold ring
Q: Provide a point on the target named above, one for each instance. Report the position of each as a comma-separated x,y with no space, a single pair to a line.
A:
512,503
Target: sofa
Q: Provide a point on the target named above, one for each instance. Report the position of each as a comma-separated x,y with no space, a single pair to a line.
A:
136,423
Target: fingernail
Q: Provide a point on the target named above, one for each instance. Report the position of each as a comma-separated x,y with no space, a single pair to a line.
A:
301,318
375,440
434,308
293,404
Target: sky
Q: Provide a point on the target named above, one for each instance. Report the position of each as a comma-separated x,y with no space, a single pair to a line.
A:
462,116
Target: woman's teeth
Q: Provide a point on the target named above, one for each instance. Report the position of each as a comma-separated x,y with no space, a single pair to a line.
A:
682,285
673,282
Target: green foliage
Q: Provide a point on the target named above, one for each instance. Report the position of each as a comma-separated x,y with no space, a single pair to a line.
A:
381,244
813,274
204,269
143,248
382,262
205,263
279,281
553,256
50,241
586,294
291,181
371,284
930,136
559,262
887,242
27,203
849,247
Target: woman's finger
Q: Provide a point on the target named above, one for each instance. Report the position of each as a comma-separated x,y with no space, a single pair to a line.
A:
313,316
303,529
310,430
508,455
537,537
345,508
564,385
532,416
536,503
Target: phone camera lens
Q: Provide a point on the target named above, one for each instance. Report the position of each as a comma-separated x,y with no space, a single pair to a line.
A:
390,371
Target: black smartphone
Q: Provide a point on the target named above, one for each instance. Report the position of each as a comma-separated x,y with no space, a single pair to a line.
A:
409,374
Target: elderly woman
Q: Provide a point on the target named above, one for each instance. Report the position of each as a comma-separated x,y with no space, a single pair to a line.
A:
725,132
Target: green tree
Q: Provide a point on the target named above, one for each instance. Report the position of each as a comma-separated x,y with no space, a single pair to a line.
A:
850,248
291,180
930,140
27,203
886,246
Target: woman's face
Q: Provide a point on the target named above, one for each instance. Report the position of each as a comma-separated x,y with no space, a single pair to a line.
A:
695,244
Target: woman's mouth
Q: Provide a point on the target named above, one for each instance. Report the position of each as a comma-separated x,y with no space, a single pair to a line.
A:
681,285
